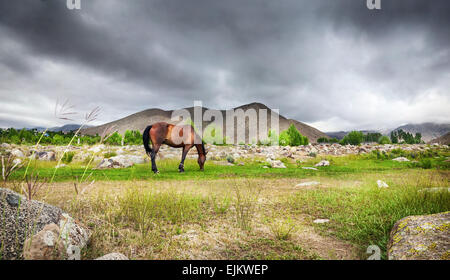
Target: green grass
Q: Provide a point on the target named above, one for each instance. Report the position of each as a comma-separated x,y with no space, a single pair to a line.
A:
340,166
365,215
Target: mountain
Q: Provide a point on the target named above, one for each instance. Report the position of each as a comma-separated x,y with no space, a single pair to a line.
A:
340,134
139,121
443,140
428,130
64,128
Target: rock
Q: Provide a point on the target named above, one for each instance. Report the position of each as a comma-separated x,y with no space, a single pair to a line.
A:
31,217
305,184
113,257
400,159
17,224
277,164
310,168
321,221
73,234
323,163
17,153
47,156
97,149
421,238
45,245
5,146
382,184
121,161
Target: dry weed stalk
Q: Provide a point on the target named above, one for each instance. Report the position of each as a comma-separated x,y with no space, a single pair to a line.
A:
32,185
9,167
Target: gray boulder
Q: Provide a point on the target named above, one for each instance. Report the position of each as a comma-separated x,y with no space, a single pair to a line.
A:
47,156
17,153
21,219
421,238
323,163
120,161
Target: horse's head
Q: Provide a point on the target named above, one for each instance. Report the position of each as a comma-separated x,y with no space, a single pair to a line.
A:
202,157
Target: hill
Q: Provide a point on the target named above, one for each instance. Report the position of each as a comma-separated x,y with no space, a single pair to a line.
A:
443,140
140,120
428,130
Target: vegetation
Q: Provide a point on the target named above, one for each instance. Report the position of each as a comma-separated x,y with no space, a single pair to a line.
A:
353,138
292,137
31,137
327,140
400,136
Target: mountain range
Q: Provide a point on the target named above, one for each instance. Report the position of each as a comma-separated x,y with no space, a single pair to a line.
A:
139,121
428,130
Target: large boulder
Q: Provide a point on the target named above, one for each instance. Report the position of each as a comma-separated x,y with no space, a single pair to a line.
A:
421,238
120,161
21,219
17,153
46,155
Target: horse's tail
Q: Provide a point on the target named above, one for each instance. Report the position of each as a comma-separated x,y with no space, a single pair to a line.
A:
146,140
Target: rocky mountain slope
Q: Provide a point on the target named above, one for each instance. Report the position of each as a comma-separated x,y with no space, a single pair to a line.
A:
428,130
140,120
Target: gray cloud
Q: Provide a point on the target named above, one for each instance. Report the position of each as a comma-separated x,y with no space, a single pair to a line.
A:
333,64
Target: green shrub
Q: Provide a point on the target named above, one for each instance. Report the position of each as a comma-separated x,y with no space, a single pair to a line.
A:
109,154
384,140
68,157
353,138
292,137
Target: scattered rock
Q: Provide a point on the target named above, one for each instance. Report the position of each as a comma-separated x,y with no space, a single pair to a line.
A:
121,161
421,238
310,168
20,218
47,156
400,159
323,163
113,257
305,184
45,245
277,164
5,145
16,225
321,221
382,184
17,153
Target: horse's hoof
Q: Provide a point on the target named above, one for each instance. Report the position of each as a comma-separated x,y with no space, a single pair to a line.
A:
156,172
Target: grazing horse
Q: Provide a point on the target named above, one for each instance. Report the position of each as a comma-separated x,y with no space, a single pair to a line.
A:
164,133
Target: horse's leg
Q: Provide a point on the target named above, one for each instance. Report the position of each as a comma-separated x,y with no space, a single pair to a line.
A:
153,157
186,149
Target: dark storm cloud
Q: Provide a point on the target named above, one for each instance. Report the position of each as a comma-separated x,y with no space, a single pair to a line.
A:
334,64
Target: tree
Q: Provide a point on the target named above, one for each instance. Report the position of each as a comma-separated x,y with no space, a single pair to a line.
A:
384,140
292,137
353,138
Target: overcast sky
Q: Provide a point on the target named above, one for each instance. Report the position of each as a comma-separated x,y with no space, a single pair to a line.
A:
333,64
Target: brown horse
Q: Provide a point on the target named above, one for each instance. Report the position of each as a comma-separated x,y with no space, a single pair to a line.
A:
177,136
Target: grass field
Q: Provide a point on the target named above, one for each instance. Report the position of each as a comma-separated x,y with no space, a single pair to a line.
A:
245,212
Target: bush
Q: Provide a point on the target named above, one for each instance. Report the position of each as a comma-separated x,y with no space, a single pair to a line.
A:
353,138
68,157
292,137
109,154
384,140
114,139
132,138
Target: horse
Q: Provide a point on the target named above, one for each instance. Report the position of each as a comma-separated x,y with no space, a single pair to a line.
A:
165,133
